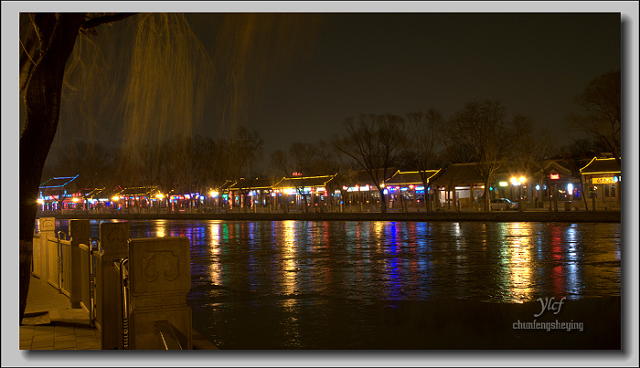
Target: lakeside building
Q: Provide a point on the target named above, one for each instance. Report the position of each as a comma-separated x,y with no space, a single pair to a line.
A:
603,179
59,193
461,185
407,189
295,192
249,193
550,183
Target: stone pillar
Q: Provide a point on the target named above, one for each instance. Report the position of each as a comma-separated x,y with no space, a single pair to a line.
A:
41,247
114,242
53,255
160,278
79,234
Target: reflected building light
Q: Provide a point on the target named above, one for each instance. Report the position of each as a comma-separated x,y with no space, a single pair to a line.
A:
161,229
521,287
288,266
215,238
215,273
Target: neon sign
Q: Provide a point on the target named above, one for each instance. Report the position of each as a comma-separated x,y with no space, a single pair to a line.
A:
554,176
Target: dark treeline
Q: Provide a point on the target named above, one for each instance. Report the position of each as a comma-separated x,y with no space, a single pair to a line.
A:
480,132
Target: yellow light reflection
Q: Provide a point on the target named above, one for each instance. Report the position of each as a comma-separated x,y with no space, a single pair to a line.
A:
161,229
215,267
288,265
520,254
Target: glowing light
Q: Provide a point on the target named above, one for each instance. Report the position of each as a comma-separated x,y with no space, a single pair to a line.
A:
116,198
159,196
554,176
75,200
569,187
40,201
537,186
503,184
523,179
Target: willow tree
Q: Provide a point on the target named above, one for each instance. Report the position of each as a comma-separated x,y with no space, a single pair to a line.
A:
48,42
156,88
63,60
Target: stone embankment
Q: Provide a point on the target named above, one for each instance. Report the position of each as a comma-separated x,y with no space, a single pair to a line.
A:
510,216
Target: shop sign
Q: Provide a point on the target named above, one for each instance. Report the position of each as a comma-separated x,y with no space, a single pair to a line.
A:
605,180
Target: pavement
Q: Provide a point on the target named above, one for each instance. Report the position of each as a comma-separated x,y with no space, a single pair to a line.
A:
51,324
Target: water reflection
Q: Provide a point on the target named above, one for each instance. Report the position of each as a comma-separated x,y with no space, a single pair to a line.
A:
294,271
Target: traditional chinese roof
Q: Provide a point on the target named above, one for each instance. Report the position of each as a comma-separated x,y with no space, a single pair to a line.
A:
601,166
58,182
257,183
226,185
556,166
304,181
459,174
410,177
138,191
102,193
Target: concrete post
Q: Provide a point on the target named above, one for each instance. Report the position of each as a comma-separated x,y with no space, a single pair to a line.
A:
79,234
114,241
160,278
41,247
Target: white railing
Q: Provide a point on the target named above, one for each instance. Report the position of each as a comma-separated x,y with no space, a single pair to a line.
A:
129,310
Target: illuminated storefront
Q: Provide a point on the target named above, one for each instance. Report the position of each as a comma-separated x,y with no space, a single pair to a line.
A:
295,192
406,189
602,178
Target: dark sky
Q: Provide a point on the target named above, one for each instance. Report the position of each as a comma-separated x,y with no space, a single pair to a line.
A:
297,77
399,63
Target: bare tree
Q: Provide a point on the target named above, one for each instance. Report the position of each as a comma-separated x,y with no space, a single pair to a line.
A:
481,130
376,143
601,119
300,159
423,141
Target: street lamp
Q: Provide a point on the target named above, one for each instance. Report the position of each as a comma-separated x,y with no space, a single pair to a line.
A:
519,182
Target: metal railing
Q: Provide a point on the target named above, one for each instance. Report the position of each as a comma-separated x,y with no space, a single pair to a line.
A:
165,330
60,259
124,286
167,335
92,279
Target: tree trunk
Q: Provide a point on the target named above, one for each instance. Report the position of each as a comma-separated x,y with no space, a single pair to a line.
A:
383,202
487,200
42,111
427,195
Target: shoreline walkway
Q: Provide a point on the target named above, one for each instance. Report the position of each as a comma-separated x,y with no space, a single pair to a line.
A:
51,324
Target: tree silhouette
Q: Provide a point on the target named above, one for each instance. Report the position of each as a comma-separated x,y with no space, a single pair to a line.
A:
482,130
376,143
601,119
47,44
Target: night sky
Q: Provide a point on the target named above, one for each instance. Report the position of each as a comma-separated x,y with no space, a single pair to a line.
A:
298,76
399,63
